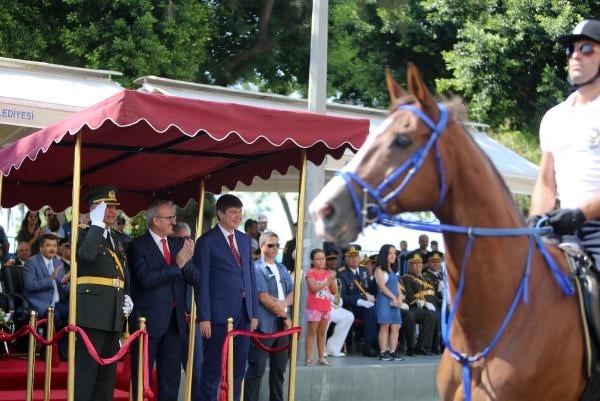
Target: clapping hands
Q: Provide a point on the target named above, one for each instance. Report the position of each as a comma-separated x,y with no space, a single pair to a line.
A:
185,254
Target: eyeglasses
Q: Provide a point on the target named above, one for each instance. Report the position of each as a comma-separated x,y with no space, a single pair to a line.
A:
173,218
273,245
585,49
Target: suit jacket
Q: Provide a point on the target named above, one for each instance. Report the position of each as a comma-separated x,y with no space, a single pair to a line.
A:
222,281
37,284
99,306
155,285
350,292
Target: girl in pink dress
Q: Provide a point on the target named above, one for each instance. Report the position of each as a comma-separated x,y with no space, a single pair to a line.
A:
321,284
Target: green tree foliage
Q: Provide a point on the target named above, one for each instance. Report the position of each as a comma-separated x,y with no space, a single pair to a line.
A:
499,55
136,37
505,60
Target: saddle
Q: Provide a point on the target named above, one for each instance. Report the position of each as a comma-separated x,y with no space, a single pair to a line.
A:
585,278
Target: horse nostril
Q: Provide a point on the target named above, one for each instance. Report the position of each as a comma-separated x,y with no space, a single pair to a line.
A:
326,211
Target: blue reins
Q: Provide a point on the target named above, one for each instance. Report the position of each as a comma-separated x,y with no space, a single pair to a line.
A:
376,213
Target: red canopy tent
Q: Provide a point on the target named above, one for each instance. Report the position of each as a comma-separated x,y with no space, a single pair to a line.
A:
155,146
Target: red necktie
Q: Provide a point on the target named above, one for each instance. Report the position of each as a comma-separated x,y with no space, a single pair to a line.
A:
166,251
236,254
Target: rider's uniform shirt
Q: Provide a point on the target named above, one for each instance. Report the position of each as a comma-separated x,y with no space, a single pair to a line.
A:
572,134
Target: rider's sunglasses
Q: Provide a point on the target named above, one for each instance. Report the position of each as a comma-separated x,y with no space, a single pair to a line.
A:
273,245
585,49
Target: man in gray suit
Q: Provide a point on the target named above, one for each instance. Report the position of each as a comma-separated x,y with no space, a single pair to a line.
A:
44,281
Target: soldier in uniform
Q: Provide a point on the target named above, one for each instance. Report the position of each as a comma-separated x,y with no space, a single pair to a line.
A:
358,296
421,299
102,303
434,275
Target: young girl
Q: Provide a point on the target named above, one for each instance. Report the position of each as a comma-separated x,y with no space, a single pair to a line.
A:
321,284
389,300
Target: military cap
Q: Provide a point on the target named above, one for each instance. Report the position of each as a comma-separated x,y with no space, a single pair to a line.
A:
365,260
332,254
351,250
106,194
434,257
415,258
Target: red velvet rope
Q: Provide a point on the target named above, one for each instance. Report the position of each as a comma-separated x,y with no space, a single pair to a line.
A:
90,347
255,336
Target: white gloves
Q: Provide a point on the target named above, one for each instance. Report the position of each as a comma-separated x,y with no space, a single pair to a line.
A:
364,303
404,306
127,306
97,215
420,303
430,306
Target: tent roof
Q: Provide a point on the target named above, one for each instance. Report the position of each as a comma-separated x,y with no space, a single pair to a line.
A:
154,146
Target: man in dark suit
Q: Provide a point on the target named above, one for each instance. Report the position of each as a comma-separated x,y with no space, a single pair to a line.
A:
23,253
160,267
357,293
227,289
102,303
44,281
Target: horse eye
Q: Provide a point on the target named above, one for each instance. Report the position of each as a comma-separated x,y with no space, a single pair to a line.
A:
403,141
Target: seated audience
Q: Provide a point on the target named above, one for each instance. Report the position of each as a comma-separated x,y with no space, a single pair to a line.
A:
31,231
358,294
341,318
420,297
44,281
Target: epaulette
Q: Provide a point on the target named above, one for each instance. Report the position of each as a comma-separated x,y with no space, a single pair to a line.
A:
84,226
341,269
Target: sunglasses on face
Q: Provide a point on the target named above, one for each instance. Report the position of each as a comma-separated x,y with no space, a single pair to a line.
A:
585,49
273,245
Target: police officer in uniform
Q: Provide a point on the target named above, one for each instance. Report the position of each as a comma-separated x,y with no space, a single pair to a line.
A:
358,296
102,303
421,299
434,276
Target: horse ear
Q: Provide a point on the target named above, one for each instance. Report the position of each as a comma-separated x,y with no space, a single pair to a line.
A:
417,87
394,89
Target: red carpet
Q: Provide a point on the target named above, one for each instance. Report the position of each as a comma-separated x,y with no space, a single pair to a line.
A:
13,381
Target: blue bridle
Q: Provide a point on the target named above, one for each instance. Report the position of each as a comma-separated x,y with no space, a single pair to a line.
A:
410,167
381,216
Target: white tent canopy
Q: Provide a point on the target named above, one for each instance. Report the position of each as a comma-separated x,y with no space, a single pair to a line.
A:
519,173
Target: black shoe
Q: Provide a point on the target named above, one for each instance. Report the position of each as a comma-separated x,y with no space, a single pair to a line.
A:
410,352
385,356
369,350
396,356
423,351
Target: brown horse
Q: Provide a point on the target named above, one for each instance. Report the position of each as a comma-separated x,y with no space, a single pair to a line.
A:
539,356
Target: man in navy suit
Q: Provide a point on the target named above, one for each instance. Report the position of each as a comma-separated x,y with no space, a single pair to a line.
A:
227,289
44,281
161,267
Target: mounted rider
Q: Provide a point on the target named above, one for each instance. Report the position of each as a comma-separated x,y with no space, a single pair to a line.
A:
570,143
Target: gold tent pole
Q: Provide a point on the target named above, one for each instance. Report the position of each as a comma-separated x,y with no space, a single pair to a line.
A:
189,367
31,356
297,277
230,383
141,362
73,279
48,368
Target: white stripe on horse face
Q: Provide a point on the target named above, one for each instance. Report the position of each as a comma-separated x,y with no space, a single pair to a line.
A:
356,160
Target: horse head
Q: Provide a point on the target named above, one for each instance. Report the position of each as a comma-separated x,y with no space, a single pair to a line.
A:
398,168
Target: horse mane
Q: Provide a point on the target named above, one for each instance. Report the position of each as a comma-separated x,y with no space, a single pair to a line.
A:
459,113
